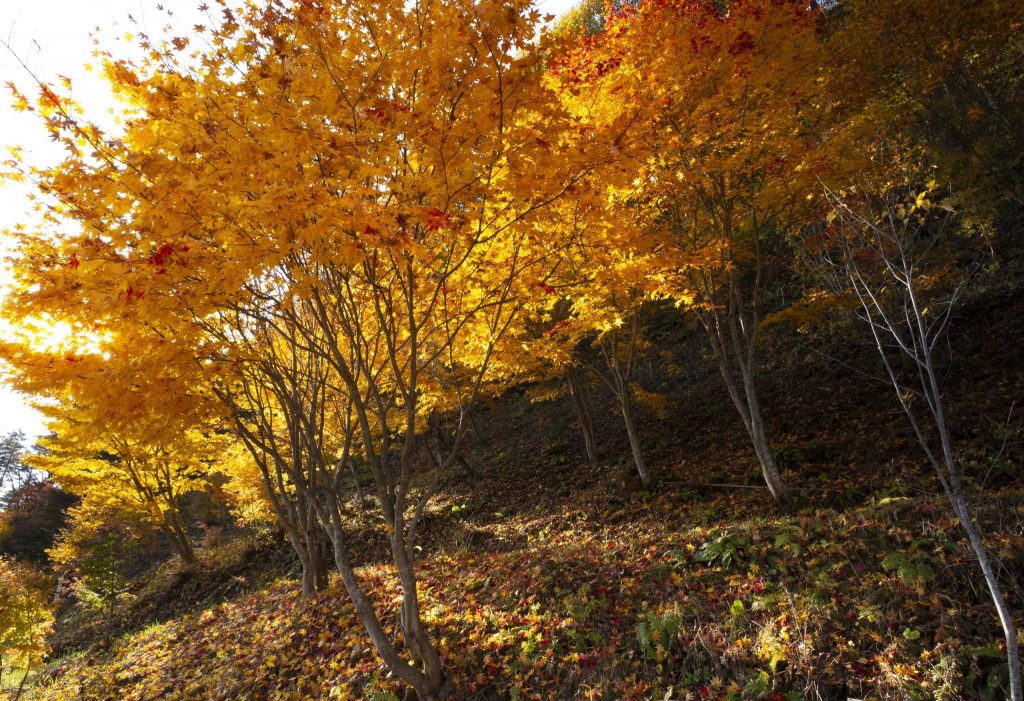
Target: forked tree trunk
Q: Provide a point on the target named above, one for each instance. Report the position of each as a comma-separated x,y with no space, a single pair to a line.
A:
622,396
428,680
735,353
296,515
298,518
759,438
579,403
890,305
621,371
417,641
176,534
314,554
312,546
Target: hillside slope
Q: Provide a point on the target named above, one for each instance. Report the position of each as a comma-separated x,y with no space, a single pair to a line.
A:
546,578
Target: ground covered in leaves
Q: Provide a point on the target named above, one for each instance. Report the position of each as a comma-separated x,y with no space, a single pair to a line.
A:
545,578
685,599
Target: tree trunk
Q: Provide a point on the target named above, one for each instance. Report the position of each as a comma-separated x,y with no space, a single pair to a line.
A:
579,403
443,447
998,600
314,576
315,570
769,469
893,312
416,639
634,440
430,687
955,492
178,537
364,503
21,685
621,371
730,350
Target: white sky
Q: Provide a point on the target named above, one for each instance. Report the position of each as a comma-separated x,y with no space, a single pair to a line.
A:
52,37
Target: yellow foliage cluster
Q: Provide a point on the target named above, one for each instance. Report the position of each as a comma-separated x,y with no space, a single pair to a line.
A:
327,232
25,617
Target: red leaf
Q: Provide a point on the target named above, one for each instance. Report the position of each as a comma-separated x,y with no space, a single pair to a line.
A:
742,44
436,219
161,257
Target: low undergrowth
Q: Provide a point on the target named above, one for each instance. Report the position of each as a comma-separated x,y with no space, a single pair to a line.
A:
688,598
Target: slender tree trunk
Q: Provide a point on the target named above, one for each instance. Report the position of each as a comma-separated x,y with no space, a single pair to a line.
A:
959,503
579,403
758,437
178,537
995,591
893,312
621,371
951,482
313,551
360,493
729,351
634,441
416,638
21,685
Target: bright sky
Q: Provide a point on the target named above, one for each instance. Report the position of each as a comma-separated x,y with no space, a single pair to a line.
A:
52,38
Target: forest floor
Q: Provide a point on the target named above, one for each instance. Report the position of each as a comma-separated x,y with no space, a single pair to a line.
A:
543,577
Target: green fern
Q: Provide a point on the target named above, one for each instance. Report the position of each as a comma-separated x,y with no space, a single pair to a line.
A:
655,633
726,550
911,569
